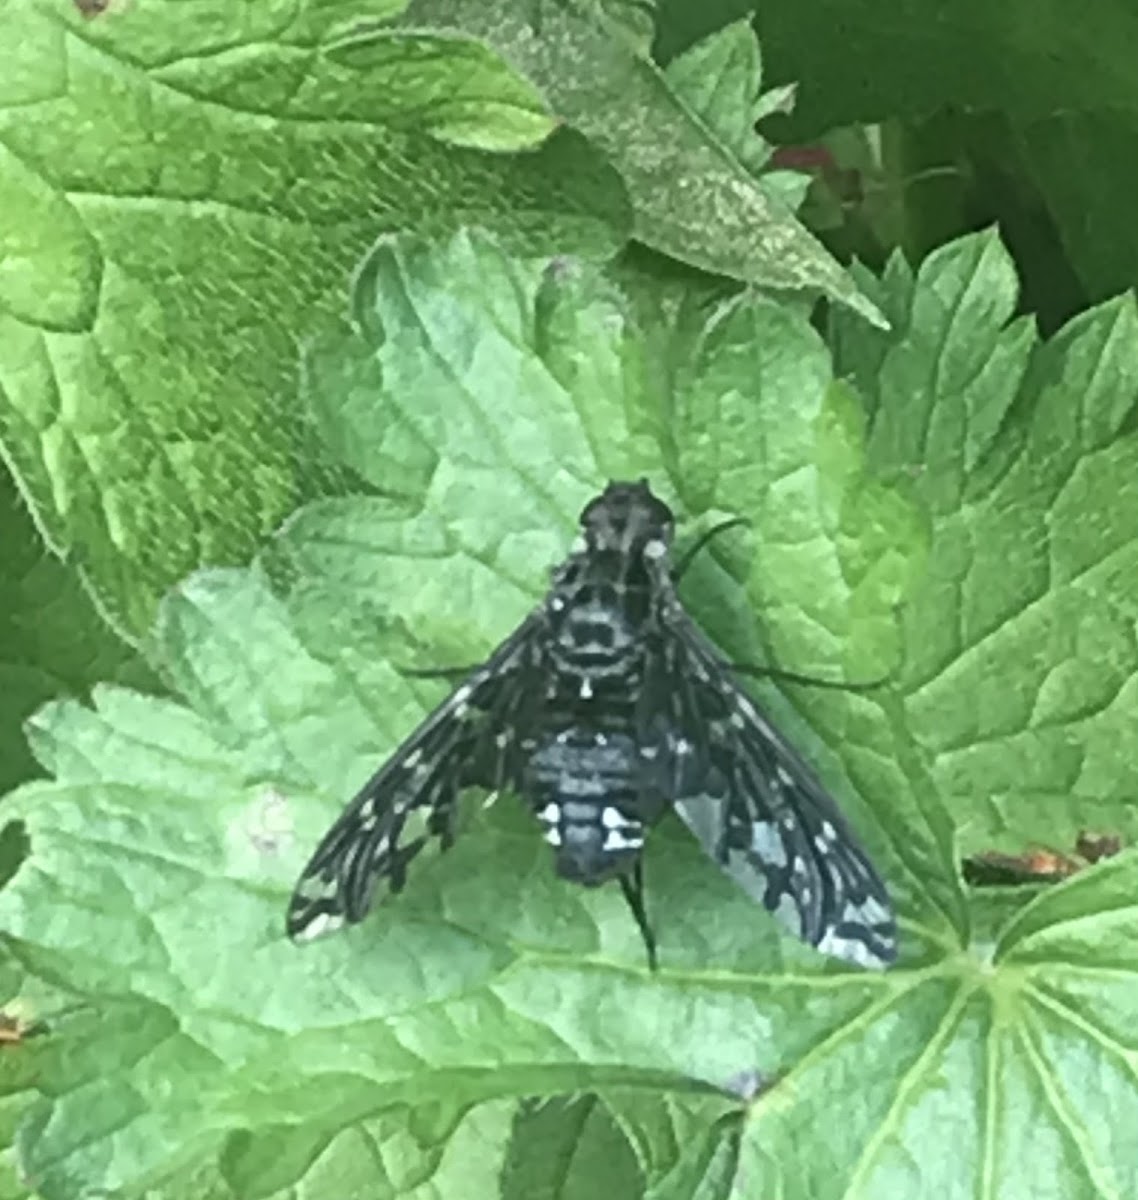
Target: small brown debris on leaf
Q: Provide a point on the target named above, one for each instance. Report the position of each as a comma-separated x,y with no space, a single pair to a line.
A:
15,1029
992,868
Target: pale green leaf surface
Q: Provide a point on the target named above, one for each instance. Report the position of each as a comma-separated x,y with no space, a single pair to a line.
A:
693,199
163,852
185,196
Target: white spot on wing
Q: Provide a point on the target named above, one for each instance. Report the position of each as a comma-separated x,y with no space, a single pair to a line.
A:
853,950
586,691
768,844
827,839
869,912
320,925
550,814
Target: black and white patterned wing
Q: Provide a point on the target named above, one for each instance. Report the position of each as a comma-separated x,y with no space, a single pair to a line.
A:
471,739
762,813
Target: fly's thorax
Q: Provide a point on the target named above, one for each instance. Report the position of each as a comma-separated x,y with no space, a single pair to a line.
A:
600,610
602,605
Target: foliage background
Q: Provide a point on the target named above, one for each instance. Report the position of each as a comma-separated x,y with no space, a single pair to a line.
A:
237,487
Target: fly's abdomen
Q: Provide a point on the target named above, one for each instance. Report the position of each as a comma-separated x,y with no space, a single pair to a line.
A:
585,786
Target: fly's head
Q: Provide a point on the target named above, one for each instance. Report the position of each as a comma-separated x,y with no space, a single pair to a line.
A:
627,520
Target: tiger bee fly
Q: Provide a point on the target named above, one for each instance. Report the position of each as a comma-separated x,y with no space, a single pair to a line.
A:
605,706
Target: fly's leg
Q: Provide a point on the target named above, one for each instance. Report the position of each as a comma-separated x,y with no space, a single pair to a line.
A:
632,885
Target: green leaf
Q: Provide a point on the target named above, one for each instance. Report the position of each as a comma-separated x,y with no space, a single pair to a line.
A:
965,99
662,1146
686,1144
565,1148
453,89
692,197
406,1152
1021,671
184,201
201,1046
720,79
52,640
